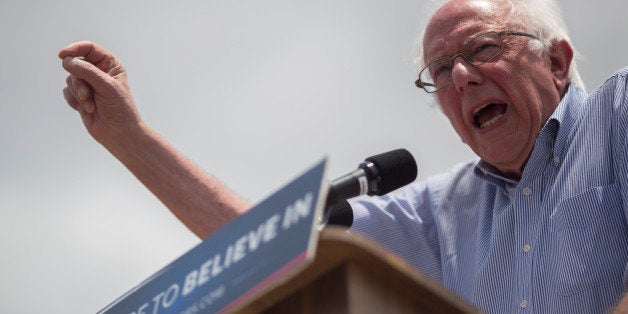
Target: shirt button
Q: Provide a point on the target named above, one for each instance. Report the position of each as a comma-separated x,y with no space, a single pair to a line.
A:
556,159
524,303
527,248
526,191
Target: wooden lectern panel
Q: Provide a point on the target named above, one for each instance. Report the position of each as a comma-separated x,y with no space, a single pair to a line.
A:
351,274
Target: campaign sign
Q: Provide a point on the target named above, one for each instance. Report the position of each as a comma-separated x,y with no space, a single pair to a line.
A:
275,238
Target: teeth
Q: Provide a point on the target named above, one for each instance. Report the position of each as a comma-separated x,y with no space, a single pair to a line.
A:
490,122
477,110
486,124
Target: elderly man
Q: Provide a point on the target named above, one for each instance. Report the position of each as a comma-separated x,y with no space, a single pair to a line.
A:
538,224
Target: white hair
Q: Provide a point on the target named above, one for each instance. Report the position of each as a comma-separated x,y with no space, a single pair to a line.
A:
539,17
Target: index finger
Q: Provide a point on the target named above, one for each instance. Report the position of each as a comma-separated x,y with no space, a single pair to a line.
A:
92,53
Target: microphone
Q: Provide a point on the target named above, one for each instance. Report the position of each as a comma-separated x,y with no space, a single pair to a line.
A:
377,175
339,214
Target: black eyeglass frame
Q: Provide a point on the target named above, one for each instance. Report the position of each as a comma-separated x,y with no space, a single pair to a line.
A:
431,88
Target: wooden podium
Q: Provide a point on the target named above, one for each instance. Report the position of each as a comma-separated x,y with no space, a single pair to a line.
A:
351,274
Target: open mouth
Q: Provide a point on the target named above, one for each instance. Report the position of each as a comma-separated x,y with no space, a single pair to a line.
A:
487,115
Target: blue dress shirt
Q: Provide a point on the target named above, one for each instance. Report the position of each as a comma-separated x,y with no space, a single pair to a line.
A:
556,241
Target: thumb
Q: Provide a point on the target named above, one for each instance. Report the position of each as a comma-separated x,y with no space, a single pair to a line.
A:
88,72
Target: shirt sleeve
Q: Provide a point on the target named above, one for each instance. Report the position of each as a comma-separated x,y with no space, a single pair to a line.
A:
619,81
403,223
624,132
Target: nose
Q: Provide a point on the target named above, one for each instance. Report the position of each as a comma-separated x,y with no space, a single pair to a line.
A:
464,74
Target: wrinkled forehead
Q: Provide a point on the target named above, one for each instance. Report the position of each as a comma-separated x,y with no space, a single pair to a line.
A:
458,20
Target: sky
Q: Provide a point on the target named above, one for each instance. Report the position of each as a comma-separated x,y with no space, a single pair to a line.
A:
253,92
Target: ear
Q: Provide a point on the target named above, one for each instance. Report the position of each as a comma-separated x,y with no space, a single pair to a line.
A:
561,55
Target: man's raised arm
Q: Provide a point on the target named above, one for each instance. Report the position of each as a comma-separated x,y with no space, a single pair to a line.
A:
97,88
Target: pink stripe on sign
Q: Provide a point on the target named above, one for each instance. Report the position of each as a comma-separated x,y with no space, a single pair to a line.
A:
264,283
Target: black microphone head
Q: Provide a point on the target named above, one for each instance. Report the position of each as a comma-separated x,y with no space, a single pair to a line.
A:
340,214
396,168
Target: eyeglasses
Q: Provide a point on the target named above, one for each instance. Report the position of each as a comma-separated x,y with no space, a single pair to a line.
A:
478,50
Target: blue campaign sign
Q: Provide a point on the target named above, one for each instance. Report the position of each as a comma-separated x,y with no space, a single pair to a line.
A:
273,239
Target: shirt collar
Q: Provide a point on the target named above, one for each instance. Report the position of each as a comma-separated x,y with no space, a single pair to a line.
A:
565,115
